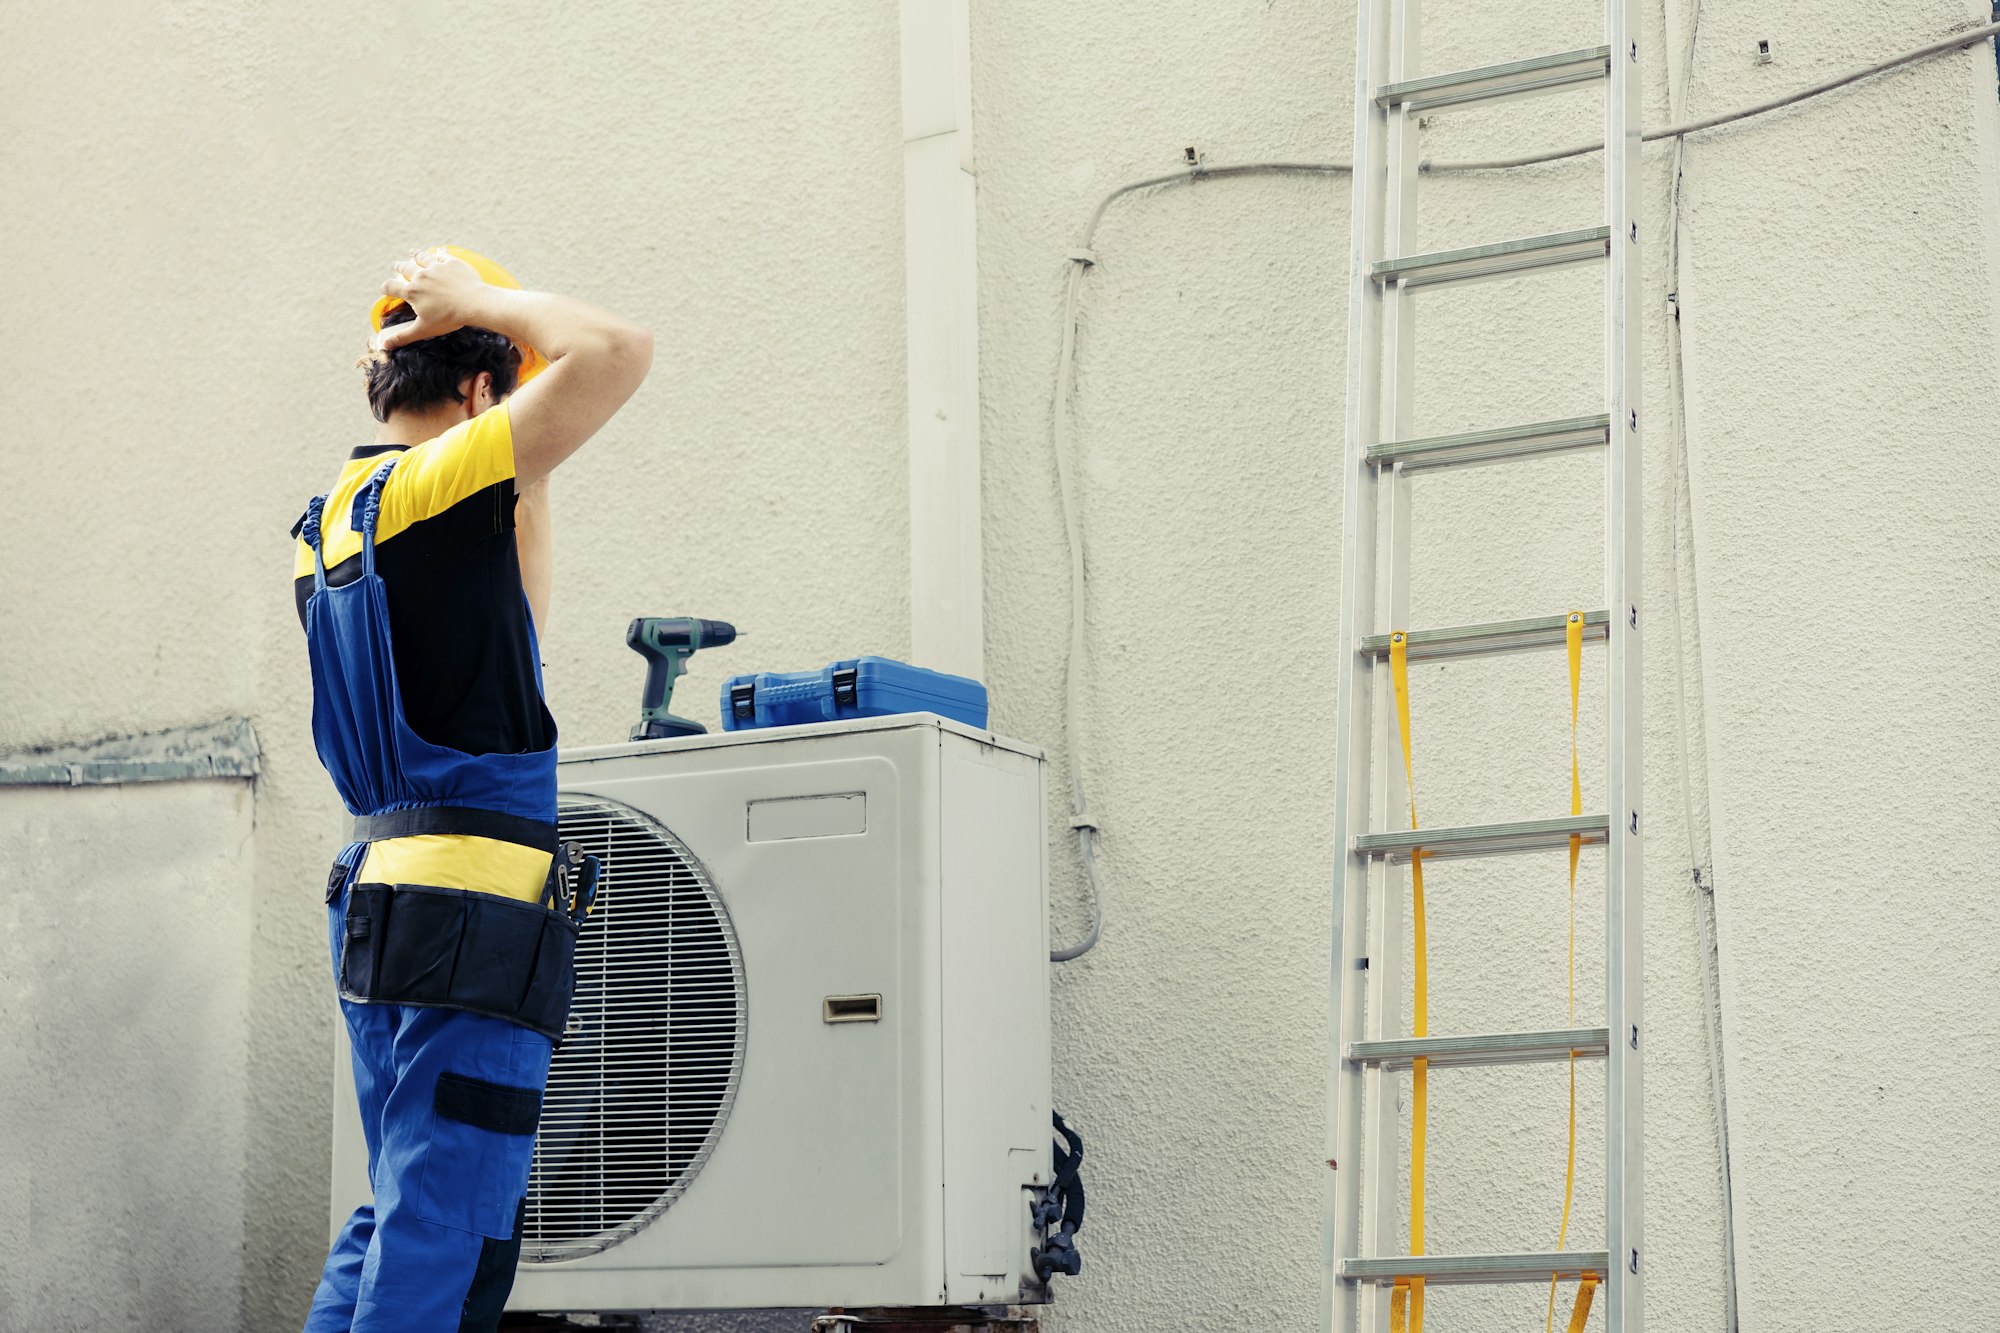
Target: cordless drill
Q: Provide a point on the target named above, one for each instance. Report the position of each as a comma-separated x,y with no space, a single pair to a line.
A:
667,642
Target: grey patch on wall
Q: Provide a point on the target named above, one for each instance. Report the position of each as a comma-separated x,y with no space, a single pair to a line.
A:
225,749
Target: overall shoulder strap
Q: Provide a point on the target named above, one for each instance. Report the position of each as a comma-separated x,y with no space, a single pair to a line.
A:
308,528
368,509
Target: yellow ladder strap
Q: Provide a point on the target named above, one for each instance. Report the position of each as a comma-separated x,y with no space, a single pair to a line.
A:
1580,1315
1573,628
1406,1300
1409,1292
1406,1306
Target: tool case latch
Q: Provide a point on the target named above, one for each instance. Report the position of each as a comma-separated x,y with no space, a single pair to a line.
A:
743,702
844,695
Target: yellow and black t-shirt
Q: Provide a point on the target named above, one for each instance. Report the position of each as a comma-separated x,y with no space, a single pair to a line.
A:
463,642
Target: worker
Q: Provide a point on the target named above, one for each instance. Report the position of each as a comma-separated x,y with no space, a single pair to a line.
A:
422,580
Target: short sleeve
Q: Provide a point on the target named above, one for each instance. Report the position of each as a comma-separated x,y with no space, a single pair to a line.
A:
439,473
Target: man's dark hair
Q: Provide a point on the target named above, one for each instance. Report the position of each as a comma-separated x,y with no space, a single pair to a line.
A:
423,374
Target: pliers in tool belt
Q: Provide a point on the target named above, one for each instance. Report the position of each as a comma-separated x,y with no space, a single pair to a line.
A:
573,878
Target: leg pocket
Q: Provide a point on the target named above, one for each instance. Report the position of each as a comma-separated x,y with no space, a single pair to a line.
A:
481,1147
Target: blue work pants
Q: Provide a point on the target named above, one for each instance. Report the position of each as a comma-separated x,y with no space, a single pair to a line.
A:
444,1096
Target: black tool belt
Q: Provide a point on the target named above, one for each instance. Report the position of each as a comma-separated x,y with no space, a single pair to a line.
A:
445,948
455,819
460,949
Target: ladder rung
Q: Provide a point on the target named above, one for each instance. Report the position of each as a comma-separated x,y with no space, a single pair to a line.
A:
1503,636
1477,1267
1485,446
1485,1048
1484,839
1534,75
1486,261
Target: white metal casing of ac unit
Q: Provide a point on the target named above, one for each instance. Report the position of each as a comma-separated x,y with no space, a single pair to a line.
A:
855,1161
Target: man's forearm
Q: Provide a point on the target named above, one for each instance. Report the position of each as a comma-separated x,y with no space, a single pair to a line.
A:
555,326
596,361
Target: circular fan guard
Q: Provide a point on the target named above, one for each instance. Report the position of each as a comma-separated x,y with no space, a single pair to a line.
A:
642,1084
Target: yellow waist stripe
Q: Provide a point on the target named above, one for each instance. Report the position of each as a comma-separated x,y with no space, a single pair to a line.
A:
455,861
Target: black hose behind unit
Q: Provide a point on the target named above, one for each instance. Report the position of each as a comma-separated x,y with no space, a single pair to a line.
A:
1062,1208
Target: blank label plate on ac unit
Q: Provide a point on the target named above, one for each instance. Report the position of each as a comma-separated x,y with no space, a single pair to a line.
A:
831,816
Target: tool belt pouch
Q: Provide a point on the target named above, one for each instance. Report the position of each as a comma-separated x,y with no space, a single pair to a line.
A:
457,949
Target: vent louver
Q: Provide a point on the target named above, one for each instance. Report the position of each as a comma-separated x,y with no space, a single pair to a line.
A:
643,1081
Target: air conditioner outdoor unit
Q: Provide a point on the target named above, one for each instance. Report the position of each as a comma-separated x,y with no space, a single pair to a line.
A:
808,1060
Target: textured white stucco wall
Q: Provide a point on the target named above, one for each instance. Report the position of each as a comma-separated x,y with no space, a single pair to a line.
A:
125,923
208,192
1846,535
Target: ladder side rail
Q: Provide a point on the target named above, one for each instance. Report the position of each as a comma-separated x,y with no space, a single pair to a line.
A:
1354,686
1624,1143
1387,980
1388,984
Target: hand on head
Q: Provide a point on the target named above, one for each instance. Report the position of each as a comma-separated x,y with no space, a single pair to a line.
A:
439,288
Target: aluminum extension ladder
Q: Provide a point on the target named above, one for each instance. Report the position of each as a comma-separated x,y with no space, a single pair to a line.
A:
1366,1047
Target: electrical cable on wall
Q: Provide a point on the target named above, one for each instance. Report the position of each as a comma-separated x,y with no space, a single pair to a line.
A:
1944,46
1083,256
1080,259
1079,807
1704,884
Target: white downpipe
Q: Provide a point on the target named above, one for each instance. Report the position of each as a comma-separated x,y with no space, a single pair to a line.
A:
941,299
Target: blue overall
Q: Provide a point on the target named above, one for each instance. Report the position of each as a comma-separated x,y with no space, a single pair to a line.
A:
449,1094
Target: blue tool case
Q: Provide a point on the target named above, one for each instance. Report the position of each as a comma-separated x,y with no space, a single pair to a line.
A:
858,687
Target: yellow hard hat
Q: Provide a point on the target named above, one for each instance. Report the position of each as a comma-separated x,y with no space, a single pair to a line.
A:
490,273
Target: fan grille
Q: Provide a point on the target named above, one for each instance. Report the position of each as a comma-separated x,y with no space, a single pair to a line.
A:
644,1079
